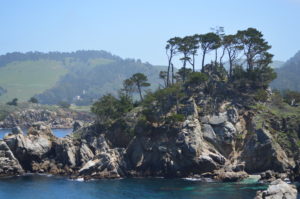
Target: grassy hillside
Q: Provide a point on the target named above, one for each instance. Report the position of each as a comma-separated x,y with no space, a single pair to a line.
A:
58,76
90,82
25,79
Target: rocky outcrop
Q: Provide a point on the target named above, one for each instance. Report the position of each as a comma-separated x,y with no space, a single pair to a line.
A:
180,151
56,118
278,189
32,148
225,145
9,165
265,152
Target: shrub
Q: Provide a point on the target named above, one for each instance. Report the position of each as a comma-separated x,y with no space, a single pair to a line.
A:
158,104
261,95
175,118
14,102
109,108
64,104
291,97
33,100
197,78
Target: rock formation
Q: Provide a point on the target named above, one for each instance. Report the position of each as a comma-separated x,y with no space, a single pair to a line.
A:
278,189
220,146
56,118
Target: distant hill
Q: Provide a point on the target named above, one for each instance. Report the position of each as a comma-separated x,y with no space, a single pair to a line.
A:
77,77
288,75
277,64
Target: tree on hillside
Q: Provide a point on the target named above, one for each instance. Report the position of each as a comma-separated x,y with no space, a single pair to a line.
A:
64,104
33,100
171,50
219,30
14,102
291,97
208,42
163,75
193,47
255,48
138,81
105,109
185,49
128,87
233,47
181,73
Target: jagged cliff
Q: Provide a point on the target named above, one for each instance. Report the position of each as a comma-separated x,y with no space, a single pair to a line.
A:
225,146
219,133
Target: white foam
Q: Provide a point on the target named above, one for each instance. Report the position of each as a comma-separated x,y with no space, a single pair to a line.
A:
79,179
193,179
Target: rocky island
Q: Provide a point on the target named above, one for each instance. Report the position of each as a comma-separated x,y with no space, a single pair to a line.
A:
211,124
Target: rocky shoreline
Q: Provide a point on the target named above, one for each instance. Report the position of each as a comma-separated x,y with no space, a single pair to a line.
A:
224,147
57,118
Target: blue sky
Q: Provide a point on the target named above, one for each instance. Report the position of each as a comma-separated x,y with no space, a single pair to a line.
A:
140,28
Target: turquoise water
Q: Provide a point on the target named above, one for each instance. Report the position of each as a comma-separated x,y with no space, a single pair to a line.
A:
57,132
43,187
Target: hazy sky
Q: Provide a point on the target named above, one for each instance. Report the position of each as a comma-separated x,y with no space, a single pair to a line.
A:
140,28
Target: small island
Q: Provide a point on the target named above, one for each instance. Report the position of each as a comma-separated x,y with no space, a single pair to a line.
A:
222,123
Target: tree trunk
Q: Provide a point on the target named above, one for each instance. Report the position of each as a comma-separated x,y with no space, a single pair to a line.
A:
168,72
230,63
203,59
223,53
193,62
184,71
169,66
140,91
216,58
172,73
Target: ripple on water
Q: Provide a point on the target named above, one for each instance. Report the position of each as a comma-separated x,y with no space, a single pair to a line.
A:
38,186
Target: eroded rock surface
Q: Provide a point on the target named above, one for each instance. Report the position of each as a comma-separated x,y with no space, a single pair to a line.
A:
9,165
278,189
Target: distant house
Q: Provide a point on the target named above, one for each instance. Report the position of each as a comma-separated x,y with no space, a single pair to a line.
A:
77,98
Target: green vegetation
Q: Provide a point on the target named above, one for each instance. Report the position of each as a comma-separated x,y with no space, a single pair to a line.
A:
33,100
175,118
78,77
25,79
246,44
64,104
136,83
157,104
80,108
197,78
171,104
291,97
261,95
13,102
109,108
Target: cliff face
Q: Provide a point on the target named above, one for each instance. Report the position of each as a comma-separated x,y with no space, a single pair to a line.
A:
225,145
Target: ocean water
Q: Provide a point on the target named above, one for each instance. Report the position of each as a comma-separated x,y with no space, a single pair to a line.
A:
44,187
57,132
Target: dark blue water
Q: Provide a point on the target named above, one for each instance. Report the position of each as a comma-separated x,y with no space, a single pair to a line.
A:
57,132
44,187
